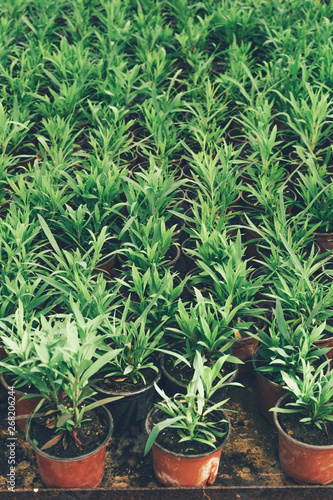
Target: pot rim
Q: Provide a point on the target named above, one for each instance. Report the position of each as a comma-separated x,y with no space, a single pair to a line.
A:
293,440
81,457
148,429
259,374
135,393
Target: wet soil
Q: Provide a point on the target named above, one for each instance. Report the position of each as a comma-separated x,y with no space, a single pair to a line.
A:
250,458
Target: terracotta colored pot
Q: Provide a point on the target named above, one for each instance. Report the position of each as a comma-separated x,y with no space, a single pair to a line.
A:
305,463
24,407
326,342
85,471
132,408
268,393
244,349
176,469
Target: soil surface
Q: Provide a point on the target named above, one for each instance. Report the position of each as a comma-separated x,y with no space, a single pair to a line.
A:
250,458
90,436
117,384
306,433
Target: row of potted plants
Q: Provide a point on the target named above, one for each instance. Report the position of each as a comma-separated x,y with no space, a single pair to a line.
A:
63,361
166,207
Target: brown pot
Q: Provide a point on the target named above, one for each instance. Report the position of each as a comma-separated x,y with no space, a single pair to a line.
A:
244,349
326,342
85,471
24,407
176,469
105,266
324,241
305,463
268,393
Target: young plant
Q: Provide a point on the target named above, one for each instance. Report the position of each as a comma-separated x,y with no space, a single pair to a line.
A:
191,414
206,327
316,200
136,344
142,287
283,349
60,359
311,392
146,243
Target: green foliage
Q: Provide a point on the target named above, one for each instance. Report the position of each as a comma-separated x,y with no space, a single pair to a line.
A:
191,413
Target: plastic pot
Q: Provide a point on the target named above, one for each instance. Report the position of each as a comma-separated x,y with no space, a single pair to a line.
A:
268,392
189,244
85,471
105,266
244,349
324,241
132,408
305,463
176,469
326,342
25,407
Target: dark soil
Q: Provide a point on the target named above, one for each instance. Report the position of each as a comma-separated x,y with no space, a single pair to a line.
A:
91,434
306,433
119,384
169,438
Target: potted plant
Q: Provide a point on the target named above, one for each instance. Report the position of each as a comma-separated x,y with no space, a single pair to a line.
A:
282,350
18,347
204,327
188,432
148,243
61,362
135,370
303,418
143,286
316,202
